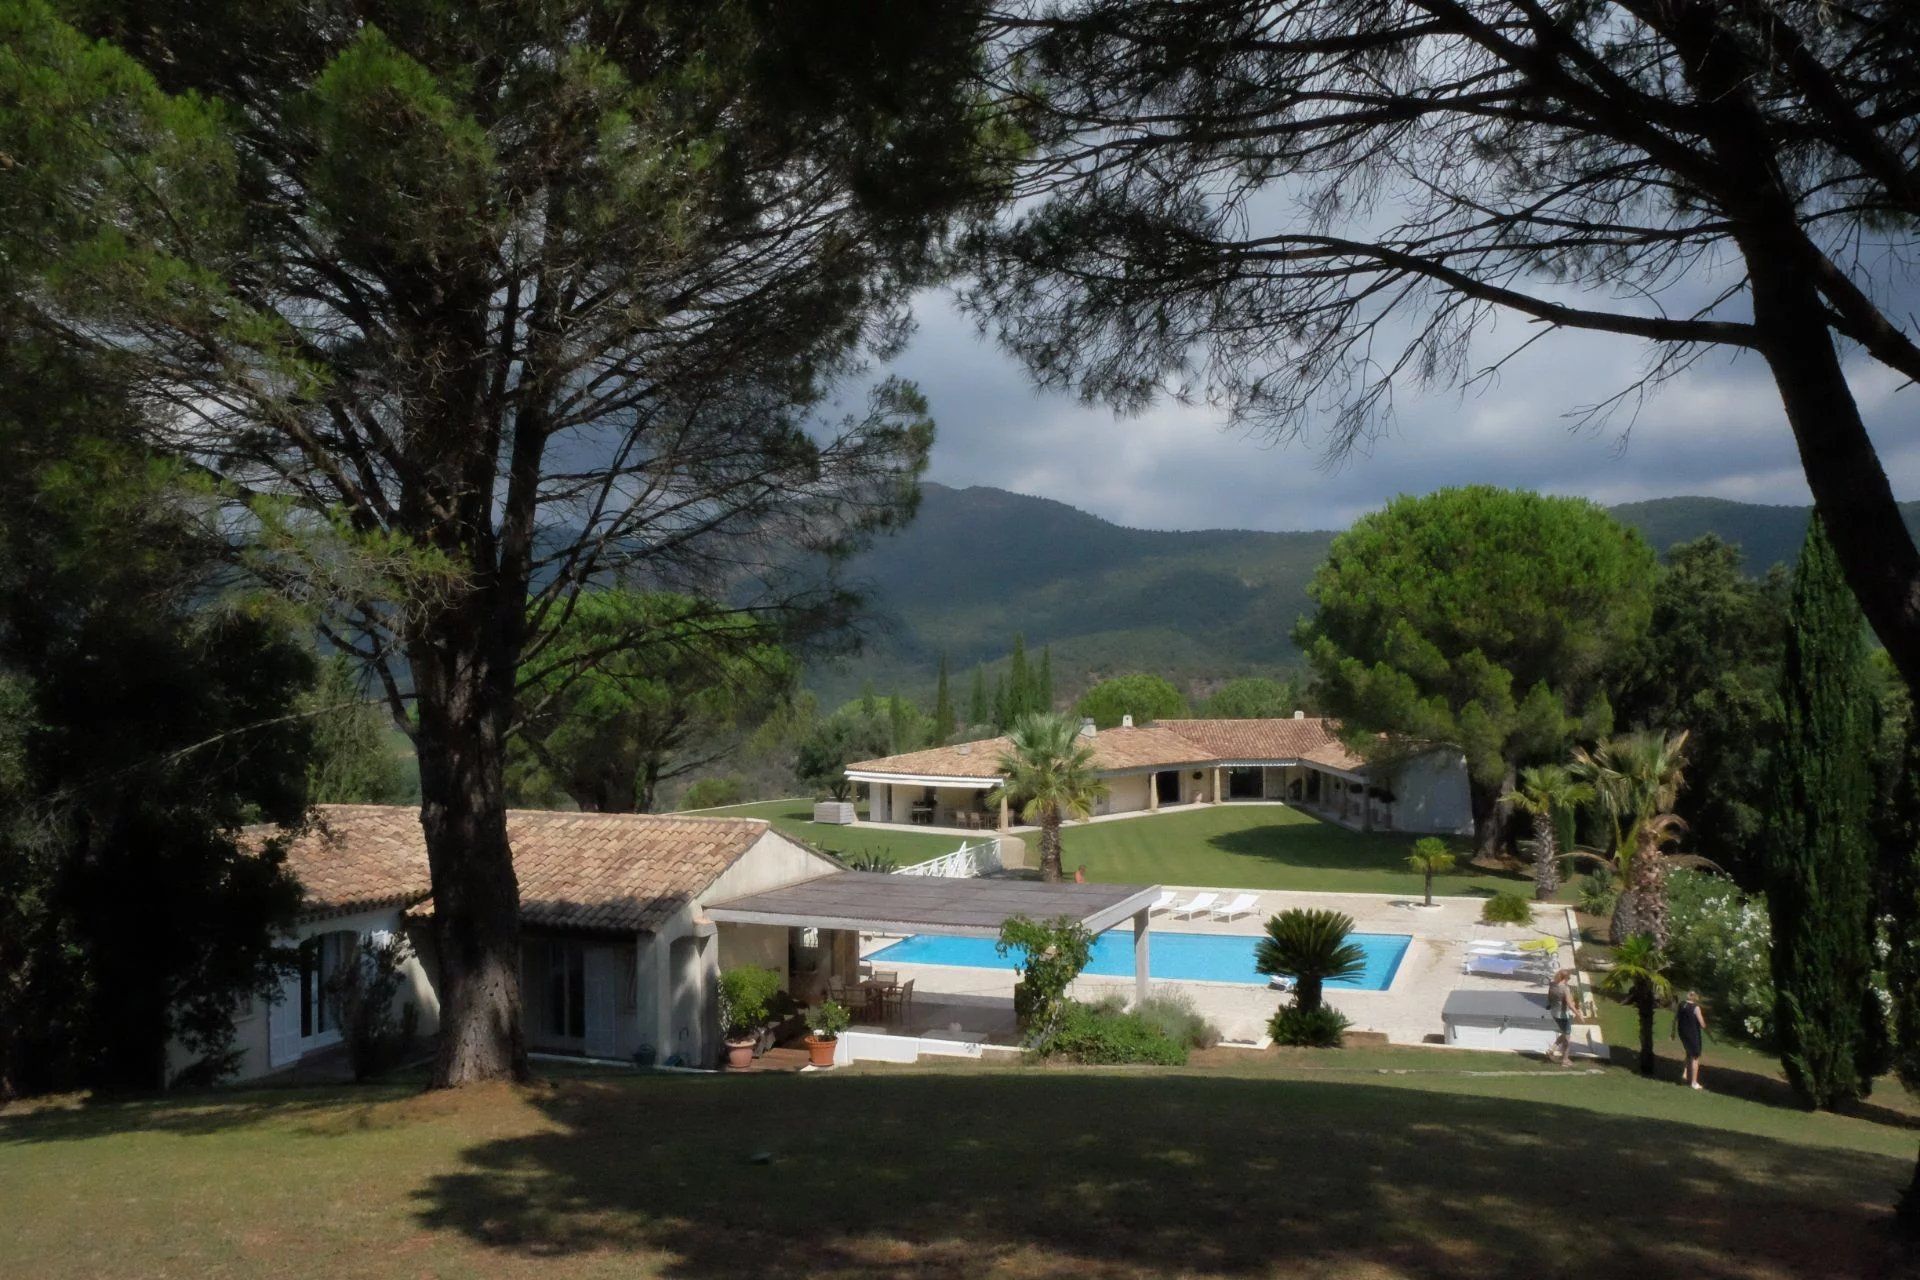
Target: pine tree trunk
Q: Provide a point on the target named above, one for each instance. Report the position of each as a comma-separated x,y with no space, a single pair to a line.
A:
1489,818
1546,858
463,713
1050,869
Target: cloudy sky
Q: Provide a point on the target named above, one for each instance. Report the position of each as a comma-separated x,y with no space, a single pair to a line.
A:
1716,430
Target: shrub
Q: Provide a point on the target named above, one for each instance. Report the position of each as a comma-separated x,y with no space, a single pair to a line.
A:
711,793
1506,908
1319,1028
1103,1035
1720,943
1052,954
1175,1016
746,994
1598,895
880,860
377,1035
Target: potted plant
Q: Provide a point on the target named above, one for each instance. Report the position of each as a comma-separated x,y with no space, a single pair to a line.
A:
826,1020
745,993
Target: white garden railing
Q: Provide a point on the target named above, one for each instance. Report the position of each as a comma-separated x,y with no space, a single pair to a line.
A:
964,863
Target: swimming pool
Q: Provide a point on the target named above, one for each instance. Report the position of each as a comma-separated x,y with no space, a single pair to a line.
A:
1190,957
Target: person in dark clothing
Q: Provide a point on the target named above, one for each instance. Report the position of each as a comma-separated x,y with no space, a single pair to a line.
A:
1690,1024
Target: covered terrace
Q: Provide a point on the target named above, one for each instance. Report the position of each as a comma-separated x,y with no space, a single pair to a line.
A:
831,915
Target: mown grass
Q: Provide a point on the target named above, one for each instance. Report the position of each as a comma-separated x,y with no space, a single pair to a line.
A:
795,818
1363,1163
1259,847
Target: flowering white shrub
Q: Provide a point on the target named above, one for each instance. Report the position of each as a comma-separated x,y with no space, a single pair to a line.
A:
1721,945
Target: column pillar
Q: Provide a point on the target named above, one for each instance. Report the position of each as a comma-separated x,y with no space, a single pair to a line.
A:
1141,924
1153,792
1004,824
1216,786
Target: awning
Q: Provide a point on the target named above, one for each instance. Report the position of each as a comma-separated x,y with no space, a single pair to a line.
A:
876,902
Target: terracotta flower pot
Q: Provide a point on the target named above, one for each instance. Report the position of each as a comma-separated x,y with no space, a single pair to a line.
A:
821,1051
739,1054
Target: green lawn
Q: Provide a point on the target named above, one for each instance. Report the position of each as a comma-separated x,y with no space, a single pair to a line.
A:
1349,1165
795,818
1258,847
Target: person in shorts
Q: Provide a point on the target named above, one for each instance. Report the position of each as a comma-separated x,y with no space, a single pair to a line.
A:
1560,1006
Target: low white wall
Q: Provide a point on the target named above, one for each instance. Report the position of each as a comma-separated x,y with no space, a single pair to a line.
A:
1128,793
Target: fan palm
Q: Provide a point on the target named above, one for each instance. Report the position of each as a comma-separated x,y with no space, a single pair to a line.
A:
1545,792
1639,978
1636,779
1049,772
1310,946
1430,858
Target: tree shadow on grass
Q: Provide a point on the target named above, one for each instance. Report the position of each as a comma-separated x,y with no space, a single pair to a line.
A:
1054,1174
1755,1086
78,1117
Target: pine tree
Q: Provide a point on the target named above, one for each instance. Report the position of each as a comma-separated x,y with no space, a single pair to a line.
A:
1019,681
979,710
942,707
1044,694
1818,845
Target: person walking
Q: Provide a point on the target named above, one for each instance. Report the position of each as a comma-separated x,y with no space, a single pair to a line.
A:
1560,1006
1690,1024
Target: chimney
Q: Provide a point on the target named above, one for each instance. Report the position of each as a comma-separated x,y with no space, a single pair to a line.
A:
1086,726
1126,722
1299,715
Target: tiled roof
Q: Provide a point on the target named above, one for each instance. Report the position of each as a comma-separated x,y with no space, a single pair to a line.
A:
624,872
1163,744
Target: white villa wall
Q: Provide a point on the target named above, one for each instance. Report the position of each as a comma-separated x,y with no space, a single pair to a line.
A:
253,1025
1127,793
1430,795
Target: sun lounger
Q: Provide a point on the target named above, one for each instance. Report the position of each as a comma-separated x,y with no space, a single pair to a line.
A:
1244,905
1509,947
1194,906
1166,899
1281,982
1507,966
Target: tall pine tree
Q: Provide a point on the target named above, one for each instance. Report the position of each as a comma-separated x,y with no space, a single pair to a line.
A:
942,707
979,710
1818,842
1019,681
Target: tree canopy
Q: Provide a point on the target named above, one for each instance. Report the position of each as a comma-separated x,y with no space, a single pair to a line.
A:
1144,697
1257,698
1487,618
1303,209
464,316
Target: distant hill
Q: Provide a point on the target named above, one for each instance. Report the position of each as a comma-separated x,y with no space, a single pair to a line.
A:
979,564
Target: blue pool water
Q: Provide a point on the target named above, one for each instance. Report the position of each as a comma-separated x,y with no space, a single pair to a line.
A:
1202,957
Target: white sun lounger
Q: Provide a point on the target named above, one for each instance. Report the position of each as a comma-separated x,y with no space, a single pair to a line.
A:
1281,982
1244,905
1165,900
1500,946
1199,902
1508,966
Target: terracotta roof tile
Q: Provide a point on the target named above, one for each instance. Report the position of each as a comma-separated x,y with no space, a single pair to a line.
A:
1163,744
623,872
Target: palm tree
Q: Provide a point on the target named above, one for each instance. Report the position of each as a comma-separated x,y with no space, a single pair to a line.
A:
1546,792
1050,771
1311,947
1636,779
1639,978
1430,858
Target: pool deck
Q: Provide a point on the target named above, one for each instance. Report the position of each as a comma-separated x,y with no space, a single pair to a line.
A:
1407,1012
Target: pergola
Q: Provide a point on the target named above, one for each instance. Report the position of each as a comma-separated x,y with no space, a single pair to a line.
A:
876,902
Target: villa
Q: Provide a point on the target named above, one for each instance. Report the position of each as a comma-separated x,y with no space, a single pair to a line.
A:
1299,761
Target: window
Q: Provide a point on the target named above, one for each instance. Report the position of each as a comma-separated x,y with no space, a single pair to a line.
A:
567,990
321,958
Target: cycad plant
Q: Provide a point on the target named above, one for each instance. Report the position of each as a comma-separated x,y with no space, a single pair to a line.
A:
1636,778
1639,978
1430,857
1310,946
1050,773
1546,792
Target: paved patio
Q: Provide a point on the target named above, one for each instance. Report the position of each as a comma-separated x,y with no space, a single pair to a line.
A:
1408,1012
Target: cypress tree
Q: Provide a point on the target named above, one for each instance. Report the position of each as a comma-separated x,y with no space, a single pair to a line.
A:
979,710
942,706
1900,874
1045,693
1818,842
1002,711
1019,681
897,725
